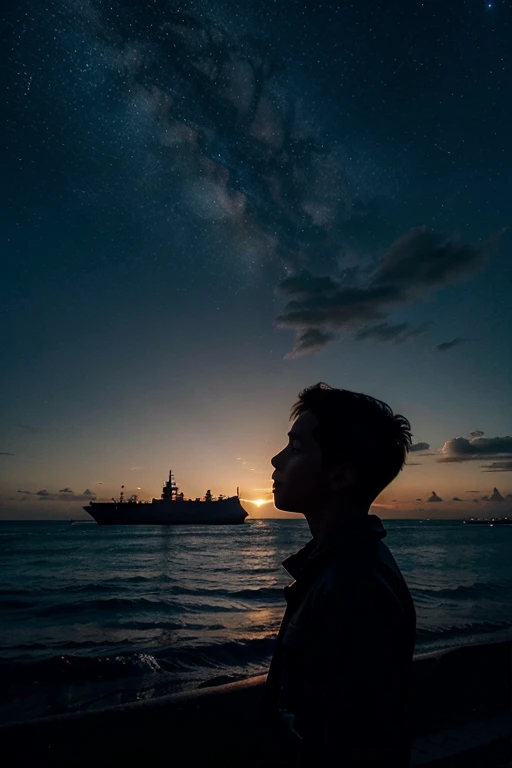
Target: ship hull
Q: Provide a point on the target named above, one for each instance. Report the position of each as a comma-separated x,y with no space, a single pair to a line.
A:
225,512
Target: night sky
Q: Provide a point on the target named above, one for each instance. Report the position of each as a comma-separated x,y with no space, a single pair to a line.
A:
208,206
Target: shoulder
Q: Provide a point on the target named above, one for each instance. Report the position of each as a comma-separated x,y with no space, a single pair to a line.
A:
355,588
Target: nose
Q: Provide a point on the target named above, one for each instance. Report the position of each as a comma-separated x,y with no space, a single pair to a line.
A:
274,460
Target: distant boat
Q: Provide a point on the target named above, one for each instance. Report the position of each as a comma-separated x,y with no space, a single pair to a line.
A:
170,509
488,521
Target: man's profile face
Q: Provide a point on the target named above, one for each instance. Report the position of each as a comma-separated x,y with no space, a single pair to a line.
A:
301,483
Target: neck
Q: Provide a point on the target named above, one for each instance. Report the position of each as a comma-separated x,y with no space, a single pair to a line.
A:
333,516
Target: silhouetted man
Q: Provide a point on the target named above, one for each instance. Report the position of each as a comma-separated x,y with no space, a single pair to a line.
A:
337,689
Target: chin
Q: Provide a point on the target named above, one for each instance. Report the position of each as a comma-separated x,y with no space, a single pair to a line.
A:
284,506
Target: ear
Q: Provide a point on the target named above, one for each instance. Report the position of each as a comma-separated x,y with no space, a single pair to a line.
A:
343,476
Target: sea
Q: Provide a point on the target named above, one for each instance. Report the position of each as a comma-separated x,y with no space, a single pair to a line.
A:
93,616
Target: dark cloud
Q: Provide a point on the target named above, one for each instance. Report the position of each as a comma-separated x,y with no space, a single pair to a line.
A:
346,308
220,111
419,447
461,449
6,453
496,495
434,498
310,340
456,498
28,428
398,333
498,466
414,464
423,258
476,433
65,494
445,345
414,264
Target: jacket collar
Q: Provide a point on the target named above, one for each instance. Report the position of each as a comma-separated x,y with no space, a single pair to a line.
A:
369,525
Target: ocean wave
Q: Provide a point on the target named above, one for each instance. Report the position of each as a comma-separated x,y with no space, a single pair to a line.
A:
78,668
480,589
74,668
118,604
8,605
135,605
464,630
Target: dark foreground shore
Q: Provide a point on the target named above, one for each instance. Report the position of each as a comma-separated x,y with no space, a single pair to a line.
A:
461,715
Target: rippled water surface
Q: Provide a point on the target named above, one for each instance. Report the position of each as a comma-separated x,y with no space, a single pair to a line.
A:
95,615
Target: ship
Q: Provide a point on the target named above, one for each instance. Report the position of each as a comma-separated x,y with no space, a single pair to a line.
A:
172,508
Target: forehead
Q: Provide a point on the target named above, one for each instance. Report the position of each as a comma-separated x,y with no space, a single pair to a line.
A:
304,425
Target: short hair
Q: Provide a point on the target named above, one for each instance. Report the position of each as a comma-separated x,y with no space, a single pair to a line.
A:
361,429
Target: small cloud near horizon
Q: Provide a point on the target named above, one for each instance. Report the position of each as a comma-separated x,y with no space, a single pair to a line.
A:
446,345
477,448
419,447
65,494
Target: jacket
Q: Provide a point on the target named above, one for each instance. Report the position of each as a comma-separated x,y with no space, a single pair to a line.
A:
338,686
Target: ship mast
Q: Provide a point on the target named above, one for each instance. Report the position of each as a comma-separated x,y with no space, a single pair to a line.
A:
170,489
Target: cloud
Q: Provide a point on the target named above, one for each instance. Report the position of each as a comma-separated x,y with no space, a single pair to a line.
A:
445,345
423,258
434,498
419,261
215,109
498,466
456,498
310,340
461,449
414,464
419,447
476,433
398,334
135,469
65,494
6,453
